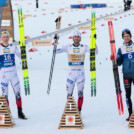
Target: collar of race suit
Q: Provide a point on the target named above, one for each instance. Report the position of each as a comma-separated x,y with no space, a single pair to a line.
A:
3,45
128,44
76,45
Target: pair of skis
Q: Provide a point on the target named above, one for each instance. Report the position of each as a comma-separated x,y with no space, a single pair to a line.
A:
93,54
56,38
115,68
93,62
23,52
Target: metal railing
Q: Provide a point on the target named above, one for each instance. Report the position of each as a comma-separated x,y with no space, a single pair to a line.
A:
65,30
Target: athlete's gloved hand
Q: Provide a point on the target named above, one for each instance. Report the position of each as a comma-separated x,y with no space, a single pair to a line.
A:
56,37
95,36
112,57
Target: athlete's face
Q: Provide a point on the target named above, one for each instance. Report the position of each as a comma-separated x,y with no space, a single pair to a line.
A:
5,39
126,38
76,39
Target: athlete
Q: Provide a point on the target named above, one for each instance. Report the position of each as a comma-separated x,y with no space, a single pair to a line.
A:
127,4
125,57
9,72
76,56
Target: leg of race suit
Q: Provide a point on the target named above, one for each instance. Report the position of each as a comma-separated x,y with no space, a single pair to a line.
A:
128,4
70,83
125,6
4,86
80,87
16,87
70,87
127,85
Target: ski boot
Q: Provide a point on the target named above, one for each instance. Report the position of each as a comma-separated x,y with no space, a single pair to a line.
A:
79,111
129,117
21,114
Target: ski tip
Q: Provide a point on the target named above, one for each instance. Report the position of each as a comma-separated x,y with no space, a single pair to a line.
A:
122,112
119,112
26,93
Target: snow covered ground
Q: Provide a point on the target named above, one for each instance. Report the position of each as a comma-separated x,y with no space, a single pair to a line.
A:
99,114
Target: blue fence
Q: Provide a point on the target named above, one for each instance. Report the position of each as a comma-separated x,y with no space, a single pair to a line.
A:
89,5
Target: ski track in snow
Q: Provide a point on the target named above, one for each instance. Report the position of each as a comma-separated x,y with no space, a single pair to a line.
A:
100,113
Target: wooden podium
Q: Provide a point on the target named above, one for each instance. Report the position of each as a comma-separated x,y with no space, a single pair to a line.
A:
6,119
131,122
71,118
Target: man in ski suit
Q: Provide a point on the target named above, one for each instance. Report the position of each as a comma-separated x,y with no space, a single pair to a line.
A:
127,4
125,57
8,70
37,3
76,55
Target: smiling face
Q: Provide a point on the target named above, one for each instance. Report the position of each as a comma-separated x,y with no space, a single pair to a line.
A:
127,38
76,39
5,39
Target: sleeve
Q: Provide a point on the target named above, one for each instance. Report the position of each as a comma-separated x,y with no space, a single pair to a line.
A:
61,50
17,52
119,57
87,49
96,50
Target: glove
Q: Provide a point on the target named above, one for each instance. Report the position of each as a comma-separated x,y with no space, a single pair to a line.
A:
56,37
95,36
112,57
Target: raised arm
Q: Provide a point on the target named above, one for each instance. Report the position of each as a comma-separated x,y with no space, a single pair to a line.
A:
61,50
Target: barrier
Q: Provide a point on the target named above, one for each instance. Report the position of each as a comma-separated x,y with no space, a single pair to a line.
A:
89,6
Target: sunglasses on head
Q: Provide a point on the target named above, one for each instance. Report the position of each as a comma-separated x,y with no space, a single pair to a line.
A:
126,30
4,31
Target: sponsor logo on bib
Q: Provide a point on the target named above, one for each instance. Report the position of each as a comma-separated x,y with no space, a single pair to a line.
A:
76,50
6,50
129,49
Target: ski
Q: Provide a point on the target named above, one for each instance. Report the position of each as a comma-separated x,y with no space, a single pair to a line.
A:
115,69
23,52
93,54
56,38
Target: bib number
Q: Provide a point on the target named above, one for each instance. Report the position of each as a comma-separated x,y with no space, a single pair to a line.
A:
1,104
7,57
